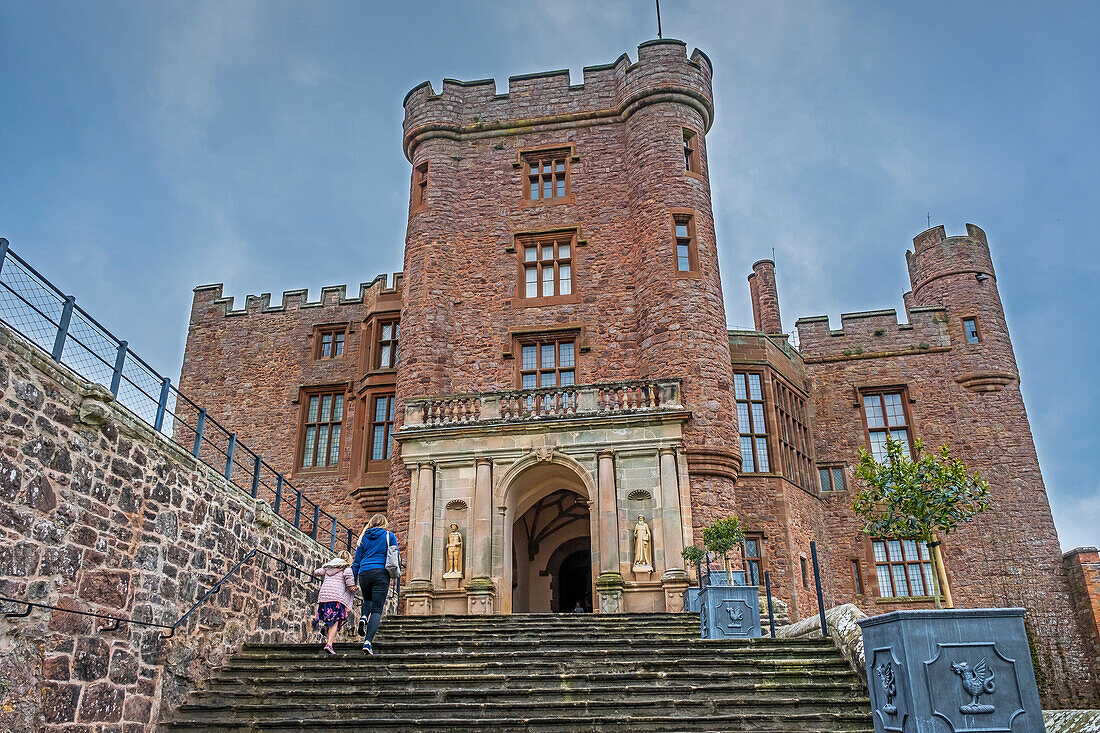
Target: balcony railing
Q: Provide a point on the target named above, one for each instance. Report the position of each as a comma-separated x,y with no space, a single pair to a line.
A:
545,403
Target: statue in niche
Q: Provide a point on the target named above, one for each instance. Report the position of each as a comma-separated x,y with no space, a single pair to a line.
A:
454,554
643,547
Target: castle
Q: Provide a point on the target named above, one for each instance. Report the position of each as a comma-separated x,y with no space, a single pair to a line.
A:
554,363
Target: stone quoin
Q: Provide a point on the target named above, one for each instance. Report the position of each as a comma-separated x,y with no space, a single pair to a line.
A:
565,367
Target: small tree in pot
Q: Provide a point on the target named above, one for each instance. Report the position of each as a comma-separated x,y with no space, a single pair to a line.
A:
721,537
916,498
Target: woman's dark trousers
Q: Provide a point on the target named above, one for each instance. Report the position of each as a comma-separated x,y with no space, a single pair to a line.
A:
375,584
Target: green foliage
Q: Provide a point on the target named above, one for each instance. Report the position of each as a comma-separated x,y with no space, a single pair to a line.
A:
723,535
693,555
916,498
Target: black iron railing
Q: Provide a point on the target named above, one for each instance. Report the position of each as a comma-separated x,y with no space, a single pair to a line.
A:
31,305
170,628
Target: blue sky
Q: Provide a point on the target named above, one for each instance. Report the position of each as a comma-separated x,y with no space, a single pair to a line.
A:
146,148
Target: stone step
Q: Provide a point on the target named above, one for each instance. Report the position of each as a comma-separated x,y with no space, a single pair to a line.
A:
403,666
656,692
624,703
475,645
681,722
817,685
596,652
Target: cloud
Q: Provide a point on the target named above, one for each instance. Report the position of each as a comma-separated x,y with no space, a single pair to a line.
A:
1077,518
193,54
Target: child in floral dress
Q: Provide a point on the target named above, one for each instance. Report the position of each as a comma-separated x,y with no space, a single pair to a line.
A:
335,600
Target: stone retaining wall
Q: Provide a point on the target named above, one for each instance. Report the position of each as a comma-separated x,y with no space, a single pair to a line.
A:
100,513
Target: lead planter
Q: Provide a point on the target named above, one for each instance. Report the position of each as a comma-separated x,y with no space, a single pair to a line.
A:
957,670
730,611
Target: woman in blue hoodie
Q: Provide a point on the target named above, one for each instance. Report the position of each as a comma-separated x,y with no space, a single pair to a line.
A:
374,580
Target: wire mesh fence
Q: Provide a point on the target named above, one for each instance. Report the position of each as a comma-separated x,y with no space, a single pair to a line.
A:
32,306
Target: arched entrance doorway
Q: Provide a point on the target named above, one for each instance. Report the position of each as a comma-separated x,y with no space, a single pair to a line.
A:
549,527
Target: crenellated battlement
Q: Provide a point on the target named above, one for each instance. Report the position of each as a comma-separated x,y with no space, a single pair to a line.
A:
369,293
610,92
873,332
936,255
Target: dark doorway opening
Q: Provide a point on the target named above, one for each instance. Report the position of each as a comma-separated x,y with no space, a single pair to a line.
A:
574,582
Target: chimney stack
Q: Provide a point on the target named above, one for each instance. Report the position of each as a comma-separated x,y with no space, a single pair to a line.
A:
765,297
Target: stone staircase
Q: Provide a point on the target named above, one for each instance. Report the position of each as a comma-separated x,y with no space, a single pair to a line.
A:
567,672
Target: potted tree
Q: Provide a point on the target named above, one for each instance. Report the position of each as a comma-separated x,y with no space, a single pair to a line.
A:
721,538
970,668
726,610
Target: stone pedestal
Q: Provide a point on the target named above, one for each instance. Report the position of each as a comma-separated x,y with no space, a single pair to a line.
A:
956,669
730,612
479,597
418,598
675,584
609,589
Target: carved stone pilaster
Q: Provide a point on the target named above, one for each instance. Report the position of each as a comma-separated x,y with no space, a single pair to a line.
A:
480,594
609,588
675,584
418,598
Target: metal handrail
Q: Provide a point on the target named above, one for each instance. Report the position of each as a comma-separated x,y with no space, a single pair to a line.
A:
152,624
197,436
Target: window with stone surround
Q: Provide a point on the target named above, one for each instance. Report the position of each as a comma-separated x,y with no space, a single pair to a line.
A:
547,174
970,328
546,265
832,478
381,426
547,362
857,576
386,345
753,549
420,185
322,420
885,415
687,248
329,342
903,568
749,394
793,436
691,151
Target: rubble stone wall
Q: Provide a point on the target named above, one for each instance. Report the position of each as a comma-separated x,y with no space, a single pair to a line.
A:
99,513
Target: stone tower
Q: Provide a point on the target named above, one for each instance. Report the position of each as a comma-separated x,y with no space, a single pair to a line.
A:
562,307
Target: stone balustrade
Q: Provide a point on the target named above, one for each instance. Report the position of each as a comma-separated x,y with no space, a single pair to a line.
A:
545,403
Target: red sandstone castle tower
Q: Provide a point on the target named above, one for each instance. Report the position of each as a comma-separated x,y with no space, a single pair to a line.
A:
561,237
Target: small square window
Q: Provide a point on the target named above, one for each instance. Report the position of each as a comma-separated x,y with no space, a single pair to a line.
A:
970,327
547,174
329,343
832,478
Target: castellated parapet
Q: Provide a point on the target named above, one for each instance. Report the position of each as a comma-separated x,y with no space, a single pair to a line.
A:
611,92
298,299
873,333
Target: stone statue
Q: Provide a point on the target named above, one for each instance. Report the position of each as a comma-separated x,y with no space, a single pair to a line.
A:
454,554
643,547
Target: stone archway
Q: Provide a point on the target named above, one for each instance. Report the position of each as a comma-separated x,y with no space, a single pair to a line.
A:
570,572
546,507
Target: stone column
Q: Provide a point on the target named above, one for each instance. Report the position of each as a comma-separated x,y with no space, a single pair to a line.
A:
479,590
421,534
609,584
675,580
